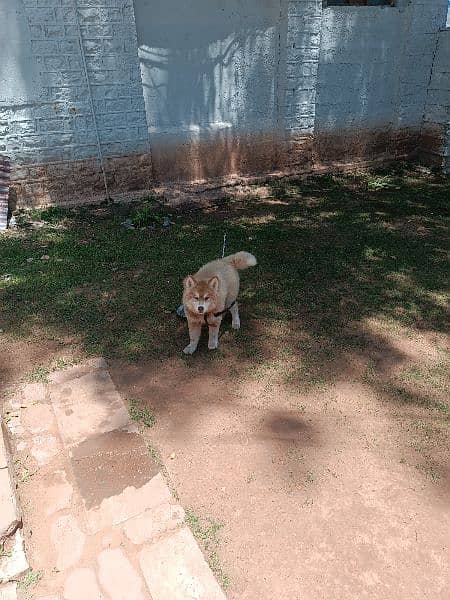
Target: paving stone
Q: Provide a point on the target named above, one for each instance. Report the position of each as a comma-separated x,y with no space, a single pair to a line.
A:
8,591
10,517
59,493
64,375
33,393
174,568
38,418
153,523
118,577
87,406
68,541
45,447
112,539
14,563
15,427
107,464
130,503
82,584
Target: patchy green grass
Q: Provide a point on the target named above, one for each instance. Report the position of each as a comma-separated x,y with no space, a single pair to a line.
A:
141,414
40,373
332,251
29,578
4,553
206,532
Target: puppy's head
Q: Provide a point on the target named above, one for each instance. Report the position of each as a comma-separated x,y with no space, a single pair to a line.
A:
200,297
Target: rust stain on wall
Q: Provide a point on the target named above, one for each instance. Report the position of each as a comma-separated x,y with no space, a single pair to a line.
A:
219,158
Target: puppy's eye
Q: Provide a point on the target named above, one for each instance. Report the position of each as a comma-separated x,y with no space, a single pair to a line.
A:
196,297
206,297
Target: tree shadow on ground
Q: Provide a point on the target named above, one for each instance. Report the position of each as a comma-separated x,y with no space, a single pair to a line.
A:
348,266
333,253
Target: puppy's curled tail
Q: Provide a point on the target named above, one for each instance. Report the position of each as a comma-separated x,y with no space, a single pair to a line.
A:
241,260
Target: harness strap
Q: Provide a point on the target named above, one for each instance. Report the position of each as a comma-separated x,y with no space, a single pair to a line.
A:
222,312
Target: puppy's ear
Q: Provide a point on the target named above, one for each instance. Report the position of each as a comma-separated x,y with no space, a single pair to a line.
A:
213,284
189,282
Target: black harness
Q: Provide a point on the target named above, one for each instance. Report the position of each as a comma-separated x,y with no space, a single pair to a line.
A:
222,312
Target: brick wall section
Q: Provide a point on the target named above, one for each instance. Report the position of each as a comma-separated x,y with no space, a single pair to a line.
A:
52,122
437,109
422,21
340,92
357,83
56,125
300,84
374,70
110,44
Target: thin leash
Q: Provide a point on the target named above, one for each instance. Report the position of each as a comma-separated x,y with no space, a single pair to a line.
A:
222,312
224,244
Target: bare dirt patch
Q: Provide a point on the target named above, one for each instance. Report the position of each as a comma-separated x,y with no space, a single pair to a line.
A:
337,490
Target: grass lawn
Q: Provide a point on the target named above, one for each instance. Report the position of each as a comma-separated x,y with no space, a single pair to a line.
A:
332,251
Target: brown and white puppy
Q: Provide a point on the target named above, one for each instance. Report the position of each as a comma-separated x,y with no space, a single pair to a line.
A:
212,290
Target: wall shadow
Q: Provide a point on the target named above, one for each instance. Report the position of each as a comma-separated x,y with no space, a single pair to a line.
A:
209,76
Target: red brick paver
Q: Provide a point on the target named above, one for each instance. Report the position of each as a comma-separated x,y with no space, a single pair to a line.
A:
99,519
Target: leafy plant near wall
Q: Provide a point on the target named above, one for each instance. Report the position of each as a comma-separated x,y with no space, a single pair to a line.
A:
149,215
145,216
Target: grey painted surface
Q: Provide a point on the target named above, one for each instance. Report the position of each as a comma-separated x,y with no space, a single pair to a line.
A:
20,74
285,66
208,63
438,98
359,67
375,64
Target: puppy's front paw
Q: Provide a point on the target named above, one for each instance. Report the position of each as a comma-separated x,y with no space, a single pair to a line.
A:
213,345
236,324
189,349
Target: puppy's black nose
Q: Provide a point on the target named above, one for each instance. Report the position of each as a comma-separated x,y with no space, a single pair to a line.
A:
201,309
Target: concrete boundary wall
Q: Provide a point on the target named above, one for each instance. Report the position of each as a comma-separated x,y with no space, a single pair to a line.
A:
249,88
436,125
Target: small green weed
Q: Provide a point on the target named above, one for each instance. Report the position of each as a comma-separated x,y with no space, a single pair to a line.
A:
309,477
217,569
23,472
141,414
206,532
429,471
52,214
147,216
38,375
29,578
155,454
382,182
4,552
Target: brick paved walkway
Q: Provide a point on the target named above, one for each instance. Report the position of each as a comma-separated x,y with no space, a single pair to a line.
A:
99,519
